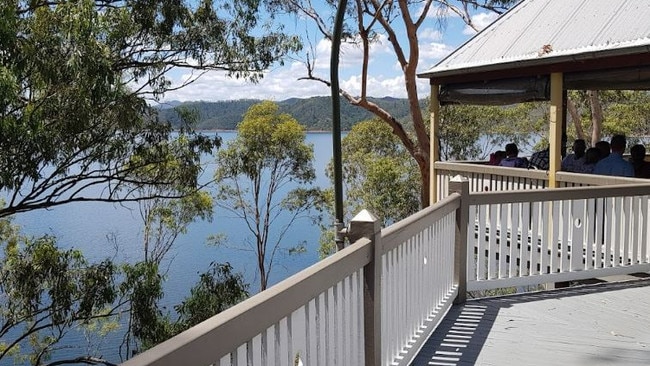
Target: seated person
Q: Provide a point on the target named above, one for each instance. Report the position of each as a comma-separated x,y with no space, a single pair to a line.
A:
637,157
539,160
574,162
496,157
614,164
512,159
592,155
604,148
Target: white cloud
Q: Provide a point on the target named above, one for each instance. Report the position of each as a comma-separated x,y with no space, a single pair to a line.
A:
430,34
383,87
278,84
431,53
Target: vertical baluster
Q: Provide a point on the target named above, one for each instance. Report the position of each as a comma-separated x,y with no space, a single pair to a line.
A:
626,243
600,224
636,230
277,349
473,243
291,349
493,248
481,244
513,270
554,237
645,226
590,233
504,231
578,244
250,353
566,224
524,252
607,232
309,336
618,223
546,237
319,320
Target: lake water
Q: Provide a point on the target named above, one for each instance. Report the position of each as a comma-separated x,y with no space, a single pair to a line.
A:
86,226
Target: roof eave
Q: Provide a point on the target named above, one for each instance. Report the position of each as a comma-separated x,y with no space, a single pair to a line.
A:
546,63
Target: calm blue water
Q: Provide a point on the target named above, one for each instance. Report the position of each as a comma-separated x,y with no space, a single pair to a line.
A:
87,226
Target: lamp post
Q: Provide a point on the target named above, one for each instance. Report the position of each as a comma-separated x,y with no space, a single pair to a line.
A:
336,121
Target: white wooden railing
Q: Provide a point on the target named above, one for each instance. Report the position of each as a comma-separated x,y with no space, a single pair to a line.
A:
376,301
489,178
348,309
543,236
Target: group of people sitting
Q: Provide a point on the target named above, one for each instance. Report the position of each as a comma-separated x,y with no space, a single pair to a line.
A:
604,158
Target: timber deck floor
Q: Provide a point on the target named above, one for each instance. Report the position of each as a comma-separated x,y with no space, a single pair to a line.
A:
599,324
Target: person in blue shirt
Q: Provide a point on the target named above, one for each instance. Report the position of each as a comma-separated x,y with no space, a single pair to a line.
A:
614,164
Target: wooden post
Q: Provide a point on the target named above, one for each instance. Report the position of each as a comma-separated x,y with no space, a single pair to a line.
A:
460,185
434,107
366,225
555,128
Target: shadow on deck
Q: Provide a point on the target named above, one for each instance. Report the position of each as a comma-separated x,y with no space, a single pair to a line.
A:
605,323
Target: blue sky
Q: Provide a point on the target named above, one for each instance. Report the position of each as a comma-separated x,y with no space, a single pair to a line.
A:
281,82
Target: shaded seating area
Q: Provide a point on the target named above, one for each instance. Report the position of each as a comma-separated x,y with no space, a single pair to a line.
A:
538,51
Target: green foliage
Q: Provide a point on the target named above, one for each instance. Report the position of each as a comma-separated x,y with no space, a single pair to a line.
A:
217,289
462,126
379,174
268,152
75,77
45,292
624,112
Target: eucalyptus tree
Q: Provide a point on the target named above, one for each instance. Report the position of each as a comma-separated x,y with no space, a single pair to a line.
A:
45,293
49,294
400,23
379,174
253,171
608,112
76,79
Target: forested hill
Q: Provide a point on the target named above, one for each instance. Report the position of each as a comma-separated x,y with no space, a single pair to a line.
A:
314,113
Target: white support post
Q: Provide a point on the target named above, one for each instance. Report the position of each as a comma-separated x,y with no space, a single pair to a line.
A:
556,115
366,225
460,185
433,143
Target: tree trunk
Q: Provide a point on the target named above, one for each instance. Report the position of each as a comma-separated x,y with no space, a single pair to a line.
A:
577,121
596,115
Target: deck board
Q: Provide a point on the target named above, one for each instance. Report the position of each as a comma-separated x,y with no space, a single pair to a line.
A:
599,324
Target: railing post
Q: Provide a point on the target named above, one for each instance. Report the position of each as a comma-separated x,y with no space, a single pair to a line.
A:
460,185
366,225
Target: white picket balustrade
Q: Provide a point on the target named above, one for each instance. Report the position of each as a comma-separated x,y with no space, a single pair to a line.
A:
377,301
534,237
314,317
321,315
488,178
418,284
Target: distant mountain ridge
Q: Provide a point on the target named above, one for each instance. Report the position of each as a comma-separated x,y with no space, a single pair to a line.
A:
314,113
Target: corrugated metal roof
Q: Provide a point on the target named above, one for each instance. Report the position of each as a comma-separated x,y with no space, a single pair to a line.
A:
542,31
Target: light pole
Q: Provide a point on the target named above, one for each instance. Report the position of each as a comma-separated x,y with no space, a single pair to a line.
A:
336,121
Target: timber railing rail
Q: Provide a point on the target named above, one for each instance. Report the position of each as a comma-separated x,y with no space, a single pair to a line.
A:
527,238
376,301
490,178
372,303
